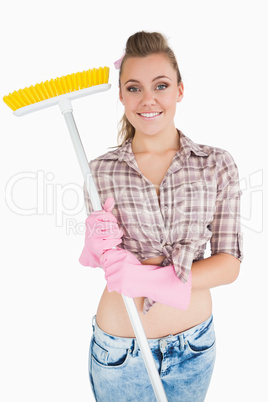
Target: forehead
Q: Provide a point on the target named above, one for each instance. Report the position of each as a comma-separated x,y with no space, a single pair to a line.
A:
149,67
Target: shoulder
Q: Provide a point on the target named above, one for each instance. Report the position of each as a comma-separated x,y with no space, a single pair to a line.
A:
105,160
113,158
225,170
213,156
219,160
224,164
222,157
110,155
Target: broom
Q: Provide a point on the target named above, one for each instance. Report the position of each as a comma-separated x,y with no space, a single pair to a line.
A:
61,91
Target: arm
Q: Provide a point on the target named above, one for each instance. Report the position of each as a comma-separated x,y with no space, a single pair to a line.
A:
219,269
126,275
223,266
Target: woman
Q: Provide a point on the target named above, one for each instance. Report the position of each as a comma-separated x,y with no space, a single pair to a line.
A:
169,197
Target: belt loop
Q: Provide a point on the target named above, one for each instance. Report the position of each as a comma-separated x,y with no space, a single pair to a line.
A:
182,342
93,322
135,348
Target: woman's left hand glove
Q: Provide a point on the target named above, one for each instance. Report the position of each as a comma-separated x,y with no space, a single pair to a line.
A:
126,275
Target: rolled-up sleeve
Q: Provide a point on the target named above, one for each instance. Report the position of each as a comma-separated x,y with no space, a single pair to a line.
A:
226,226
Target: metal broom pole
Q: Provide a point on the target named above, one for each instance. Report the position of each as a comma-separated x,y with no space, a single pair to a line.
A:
67,111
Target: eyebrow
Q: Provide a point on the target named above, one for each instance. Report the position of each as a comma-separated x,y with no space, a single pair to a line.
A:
155,79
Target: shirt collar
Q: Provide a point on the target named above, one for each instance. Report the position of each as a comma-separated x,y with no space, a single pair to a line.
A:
125,151
187,146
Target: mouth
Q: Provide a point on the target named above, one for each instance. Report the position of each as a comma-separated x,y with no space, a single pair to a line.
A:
150,115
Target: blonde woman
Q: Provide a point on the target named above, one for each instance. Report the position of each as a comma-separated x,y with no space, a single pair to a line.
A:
164,199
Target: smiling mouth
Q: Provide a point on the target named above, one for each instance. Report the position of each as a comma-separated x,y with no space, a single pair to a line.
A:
150,115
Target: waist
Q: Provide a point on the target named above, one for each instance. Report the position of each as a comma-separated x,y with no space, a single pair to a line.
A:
127,343
160,321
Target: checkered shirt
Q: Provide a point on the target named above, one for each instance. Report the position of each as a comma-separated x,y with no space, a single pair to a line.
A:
199,203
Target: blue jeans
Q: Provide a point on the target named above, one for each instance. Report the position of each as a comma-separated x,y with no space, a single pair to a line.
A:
184,361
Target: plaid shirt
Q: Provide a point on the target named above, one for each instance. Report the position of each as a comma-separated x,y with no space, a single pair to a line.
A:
199,202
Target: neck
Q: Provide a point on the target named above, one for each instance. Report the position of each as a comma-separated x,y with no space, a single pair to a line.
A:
158,143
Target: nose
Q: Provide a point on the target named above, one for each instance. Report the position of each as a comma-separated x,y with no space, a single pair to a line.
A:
148,98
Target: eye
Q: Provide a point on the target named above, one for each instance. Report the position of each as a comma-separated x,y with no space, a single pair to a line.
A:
133,89
161,87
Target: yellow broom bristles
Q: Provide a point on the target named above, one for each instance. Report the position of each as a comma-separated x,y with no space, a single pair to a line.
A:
55,87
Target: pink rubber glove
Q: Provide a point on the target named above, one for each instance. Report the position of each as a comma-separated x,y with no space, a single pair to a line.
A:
102,233
126,275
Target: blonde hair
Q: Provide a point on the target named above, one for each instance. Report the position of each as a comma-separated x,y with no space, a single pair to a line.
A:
143,44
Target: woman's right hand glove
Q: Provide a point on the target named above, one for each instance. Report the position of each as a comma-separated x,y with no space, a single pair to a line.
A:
126,275
102,233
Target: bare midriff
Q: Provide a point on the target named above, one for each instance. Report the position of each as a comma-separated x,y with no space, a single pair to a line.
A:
160,321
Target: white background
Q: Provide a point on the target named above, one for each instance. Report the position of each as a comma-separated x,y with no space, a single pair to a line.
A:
47,299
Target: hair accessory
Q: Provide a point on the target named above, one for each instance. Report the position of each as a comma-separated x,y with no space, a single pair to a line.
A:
118,63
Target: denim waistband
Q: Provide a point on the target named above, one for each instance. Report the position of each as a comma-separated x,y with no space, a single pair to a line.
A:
128,343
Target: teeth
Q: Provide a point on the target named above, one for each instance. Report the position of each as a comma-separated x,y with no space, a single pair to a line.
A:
149,114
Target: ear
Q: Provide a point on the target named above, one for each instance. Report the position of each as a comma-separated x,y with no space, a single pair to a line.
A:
180,92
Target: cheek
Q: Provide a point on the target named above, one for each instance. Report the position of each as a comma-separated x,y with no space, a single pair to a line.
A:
131,115
175,98
129,109
129,103
169,103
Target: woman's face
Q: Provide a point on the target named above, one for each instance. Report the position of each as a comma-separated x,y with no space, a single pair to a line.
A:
149,92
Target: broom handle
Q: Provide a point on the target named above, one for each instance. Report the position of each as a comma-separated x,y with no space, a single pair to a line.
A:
66,109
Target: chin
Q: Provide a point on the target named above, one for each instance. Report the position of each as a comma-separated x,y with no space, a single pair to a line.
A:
150,131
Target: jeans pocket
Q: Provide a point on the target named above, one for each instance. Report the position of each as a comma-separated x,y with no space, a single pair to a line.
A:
203,341
109,357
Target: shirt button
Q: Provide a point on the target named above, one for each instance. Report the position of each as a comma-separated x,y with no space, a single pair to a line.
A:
166,208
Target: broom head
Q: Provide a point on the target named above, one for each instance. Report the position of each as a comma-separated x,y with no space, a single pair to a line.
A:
50,93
